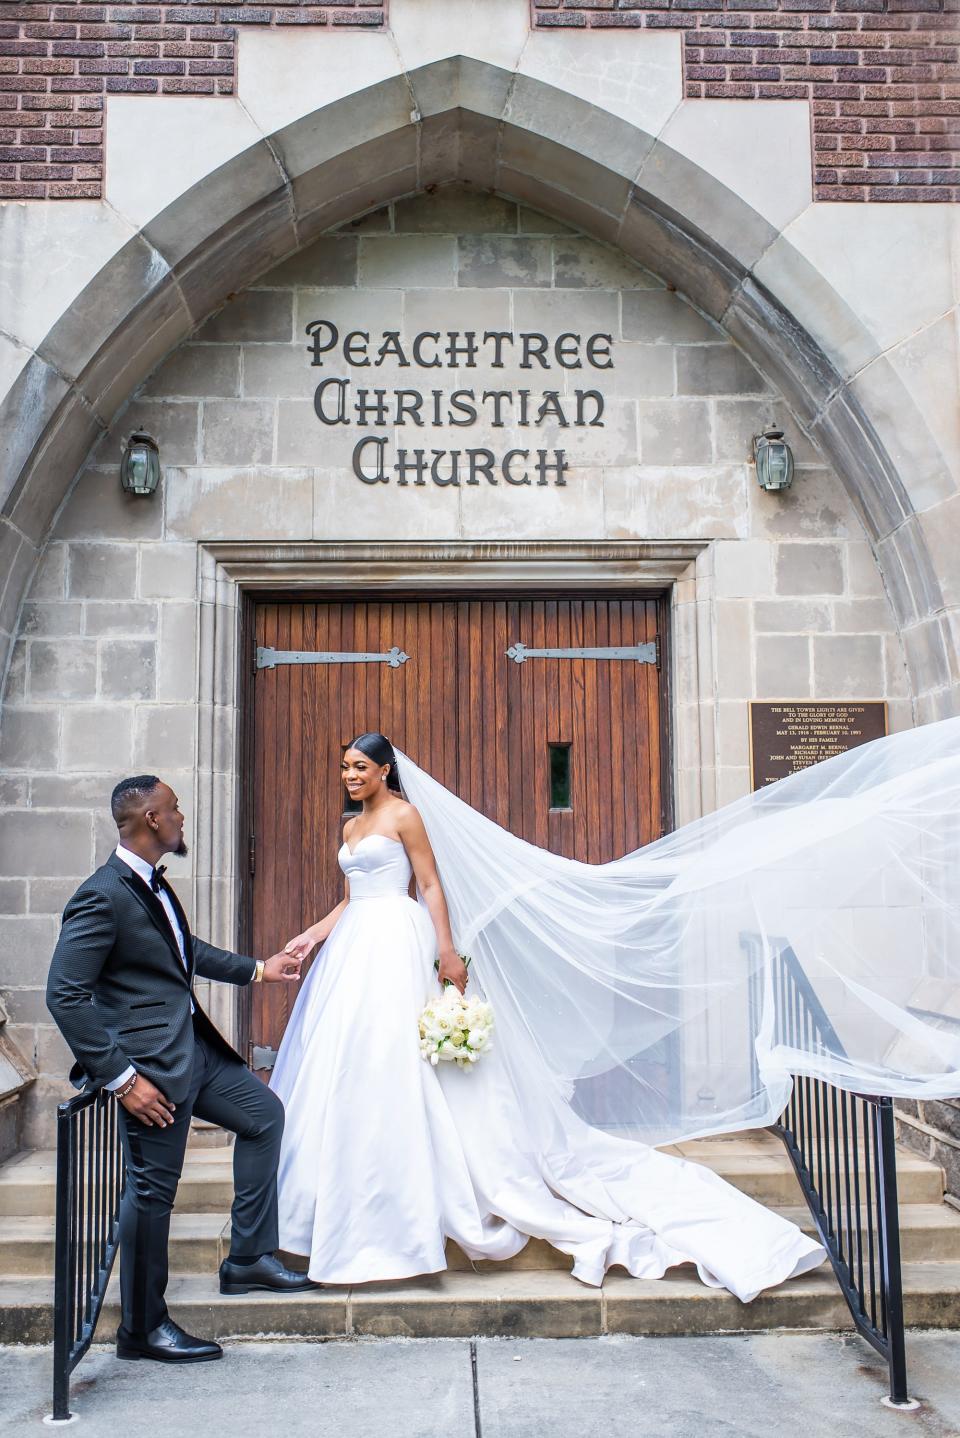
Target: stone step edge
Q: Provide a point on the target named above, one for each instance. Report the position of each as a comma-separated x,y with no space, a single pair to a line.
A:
731,1152
197,1227
40,1227
190,1230
538,1305
206,1189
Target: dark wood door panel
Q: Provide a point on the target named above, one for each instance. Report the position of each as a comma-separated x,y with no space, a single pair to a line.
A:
480,723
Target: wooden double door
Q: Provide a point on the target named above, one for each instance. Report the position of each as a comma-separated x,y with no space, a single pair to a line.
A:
565,748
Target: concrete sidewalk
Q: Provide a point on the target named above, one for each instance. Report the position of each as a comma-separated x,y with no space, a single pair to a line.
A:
753,1386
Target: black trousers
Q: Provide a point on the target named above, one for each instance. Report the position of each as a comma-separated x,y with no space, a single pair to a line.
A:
222,1091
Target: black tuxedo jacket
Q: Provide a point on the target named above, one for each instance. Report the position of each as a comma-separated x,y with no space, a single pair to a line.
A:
119,991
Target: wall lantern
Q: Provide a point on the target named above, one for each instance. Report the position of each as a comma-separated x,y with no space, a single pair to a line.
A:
140,466
774,460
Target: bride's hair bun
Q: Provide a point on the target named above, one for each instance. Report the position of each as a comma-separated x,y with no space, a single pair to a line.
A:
378,748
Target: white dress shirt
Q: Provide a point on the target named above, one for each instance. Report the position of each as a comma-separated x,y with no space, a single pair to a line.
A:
144,871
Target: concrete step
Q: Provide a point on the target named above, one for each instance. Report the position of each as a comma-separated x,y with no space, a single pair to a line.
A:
929,1232
198,1241
754,1162
507,1304
758,1164
28,1183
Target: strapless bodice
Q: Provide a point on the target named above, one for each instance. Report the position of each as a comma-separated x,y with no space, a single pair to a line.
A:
377,867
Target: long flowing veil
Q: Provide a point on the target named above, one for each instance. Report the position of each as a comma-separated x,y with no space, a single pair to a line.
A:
810,928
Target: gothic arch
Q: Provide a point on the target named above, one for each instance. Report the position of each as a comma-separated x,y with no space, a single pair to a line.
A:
469,121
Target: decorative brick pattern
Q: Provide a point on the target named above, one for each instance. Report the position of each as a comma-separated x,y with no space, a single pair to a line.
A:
882,77
58,61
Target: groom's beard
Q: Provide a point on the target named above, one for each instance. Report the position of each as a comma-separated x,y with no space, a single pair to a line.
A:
181,850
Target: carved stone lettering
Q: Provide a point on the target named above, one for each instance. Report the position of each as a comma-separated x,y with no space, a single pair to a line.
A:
342,398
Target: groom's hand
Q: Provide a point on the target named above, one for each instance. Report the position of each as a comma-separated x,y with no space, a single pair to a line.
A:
146,1103
281,968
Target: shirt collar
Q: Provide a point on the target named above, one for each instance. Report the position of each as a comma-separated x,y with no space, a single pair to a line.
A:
134,862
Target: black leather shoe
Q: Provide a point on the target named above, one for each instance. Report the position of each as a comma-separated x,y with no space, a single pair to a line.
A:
268,1273
167,1343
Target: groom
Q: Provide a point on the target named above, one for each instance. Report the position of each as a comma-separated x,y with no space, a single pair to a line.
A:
121,991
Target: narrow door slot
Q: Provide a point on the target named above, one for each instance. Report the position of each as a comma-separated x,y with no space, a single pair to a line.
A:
559,776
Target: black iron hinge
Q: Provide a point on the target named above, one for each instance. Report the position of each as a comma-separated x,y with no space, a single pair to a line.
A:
252,853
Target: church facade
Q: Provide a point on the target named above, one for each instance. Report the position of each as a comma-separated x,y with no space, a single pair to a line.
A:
449,332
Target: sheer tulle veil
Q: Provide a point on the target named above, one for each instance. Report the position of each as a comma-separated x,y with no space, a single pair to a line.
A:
644,997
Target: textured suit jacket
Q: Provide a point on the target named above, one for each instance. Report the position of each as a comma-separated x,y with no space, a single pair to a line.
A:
119,991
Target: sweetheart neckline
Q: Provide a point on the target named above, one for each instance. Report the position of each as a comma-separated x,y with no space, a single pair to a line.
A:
363,840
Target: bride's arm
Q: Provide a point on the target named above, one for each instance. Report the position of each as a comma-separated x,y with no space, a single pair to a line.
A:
319,932
424,865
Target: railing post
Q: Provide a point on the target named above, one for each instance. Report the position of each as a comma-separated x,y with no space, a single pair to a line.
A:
62,1276
891,1277
826,1156
87,1233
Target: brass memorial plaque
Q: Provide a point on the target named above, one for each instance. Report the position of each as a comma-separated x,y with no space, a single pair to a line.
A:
788,736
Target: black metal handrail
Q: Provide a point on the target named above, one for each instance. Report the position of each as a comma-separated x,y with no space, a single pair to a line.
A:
89,1185
843,1149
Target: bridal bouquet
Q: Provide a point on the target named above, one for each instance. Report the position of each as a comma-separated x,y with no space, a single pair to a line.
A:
455,1029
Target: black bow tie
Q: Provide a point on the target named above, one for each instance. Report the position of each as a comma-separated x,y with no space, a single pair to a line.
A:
156,877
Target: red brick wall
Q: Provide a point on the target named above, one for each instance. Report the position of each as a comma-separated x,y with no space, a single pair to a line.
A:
58,61
882,77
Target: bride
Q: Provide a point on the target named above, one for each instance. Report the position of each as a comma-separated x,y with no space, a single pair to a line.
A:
386,1157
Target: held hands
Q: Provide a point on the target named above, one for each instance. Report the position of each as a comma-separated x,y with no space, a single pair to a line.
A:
452,970
282,968
300,947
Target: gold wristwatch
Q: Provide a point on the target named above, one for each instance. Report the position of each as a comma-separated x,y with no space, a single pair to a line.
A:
258,972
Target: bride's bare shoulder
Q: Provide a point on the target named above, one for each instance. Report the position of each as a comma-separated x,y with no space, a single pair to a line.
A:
405,815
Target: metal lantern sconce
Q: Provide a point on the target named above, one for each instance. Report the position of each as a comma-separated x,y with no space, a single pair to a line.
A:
140,466
774,460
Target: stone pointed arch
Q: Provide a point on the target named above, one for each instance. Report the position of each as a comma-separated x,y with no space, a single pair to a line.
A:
466,120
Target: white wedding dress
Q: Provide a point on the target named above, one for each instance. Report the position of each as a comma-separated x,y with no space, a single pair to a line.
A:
385,1157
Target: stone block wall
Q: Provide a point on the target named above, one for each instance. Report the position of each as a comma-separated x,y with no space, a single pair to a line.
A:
106,669
932,1129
